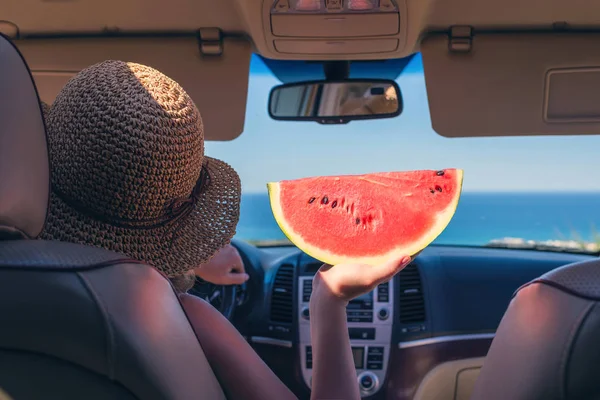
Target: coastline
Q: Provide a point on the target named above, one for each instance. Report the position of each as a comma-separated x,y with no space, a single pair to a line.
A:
573,246
551,245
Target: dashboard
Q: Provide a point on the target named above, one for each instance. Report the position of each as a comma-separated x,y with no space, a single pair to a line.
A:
440,311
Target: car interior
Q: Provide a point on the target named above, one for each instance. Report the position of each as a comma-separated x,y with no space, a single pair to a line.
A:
363,85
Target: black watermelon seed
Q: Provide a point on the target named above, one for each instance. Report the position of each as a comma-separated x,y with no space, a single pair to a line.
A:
439,173
432,191
438,188
357,221
325,200
334,204
311,200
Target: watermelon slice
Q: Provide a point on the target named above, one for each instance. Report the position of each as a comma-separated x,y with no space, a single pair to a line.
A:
366,218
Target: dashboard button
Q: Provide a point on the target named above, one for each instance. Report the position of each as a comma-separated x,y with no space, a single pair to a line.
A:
383,293
383,314
359,316
366,382
360,319
362,333
305,313
375,365
308,357
306,290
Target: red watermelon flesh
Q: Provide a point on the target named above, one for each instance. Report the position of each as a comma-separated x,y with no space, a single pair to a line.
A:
366,218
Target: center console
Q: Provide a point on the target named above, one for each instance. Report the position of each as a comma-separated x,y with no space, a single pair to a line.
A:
369,319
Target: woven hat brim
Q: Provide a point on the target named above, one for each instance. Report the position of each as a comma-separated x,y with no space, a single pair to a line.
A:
173,248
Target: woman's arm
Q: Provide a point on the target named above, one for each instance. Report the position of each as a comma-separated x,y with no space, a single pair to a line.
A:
334,376
242,373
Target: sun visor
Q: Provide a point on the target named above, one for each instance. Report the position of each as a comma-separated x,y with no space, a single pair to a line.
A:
217,84
500,84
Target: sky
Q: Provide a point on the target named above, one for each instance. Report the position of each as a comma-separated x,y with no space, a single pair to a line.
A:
271,150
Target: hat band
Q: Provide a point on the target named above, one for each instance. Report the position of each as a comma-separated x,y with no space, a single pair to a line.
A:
174,211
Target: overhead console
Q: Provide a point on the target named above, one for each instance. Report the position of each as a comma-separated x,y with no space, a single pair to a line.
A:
350,29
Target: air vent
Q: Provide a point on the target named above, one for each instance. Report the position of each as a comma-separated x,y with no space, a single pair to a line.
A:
282,295
412,303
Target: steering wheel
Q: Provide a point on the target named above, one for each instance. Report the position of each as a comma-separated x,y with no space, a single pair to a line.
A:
223,298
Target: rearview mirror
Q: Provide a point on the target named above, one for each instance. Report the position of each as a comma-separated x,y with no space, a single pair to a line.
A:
335,102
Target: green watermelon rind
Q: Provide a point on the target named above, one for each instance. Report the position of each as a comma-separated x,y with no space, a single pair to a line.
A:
443,219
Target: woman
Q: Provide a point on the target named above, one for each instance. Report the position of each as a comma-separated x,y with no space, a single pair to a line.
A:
129,174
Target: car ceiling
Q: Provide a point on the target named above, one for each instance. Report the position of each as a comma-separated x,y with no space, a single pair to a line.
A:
251,17
492,68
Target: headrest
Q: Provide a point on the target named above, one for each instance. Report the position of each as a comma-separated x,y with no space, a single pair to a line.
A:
24,167
580,279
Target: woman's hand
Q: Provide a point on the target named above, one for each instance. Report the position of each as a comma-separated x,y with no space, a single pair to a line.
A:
225,268
344,282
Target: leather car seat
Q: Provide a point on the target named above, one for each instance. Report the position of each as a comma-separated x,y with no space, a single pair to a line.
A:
547,346
77,322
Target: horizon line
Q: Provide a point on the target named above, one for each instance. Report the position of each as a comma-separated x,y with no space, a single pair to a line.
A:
510,191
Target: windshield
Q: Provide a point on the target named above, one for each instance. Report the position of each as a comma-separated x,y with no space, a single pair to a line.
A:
517,192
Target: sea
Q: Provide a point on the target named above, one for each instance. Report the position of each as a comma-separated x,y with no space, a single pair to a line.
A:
480,218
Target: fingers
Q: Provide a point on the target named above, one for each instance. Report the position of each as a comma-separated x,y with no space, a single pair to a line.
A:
325,267
237,278
238,268
386,271
233,256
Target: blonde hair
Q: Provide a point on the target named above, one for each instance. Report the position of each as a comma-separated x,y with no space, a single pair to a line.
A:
184,282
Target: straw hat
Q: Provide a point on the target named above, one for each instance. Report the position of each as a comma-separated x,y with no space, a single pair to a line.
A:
45,108
129,173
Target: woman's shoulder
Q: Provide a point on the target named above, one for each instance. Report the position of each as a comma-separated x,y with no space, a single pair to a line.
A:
200,312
